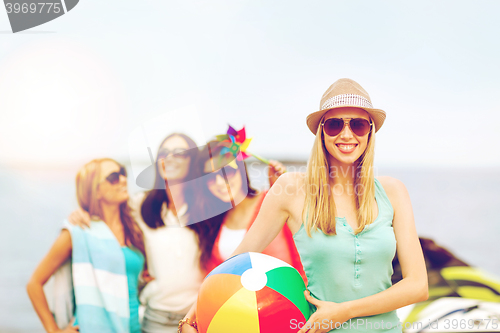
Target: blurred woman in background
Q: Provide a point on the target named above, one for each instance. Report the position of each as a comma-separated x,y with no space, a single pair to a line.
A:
238,204
172,243
107,258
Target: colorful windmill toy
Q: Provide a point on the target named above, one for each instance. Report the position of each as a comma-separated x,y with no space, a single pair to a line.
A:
236,143
252,293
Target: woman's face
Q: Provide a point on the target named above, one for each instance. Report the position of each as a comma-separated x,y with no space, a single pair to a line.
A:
218,187
173,161
112,185
346,147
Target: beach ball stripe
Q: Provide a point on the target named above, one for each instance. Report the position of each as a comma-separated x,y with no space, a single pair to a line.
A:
270,320
214,292
251,293
294,282
240,311
239,264
265,262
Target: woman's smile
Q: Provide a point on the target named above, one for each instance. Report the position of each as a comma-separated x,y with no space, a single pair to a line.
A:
346,148
219,189
170,167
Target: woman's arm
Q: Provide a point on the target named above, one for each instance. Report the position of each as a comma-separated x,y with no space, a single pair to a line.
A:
79,218
58,254
411,289
272,216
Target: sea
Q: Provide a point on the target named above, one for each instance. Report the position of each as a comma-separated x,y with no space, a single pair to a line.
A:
459,208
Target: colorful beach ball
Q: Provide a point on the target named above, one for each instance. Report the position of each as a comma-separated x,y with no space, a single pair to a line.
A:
252,293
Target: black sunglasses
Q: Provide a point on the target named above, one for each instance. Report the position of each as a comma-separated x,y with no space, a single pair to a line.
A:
359,126
114,177
177,153
211,177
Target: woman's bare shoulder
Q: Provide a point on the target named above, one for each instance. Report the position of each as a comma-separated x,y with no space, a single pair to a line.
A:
391,184
293,177
289,181
395,189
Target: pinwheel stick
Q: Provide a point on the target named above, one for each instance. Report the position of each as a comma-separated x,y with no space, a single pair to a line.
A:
262,159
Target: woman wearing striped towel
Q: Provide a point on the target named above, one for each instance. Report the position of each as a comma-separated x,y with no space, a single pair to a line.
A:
106,259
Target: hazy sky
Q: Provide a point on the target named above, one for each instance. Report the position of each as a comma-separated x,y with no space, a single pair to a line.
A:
79,87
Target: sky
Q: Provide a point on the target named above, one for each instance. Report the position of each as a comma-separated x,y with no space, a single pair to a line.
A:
83,85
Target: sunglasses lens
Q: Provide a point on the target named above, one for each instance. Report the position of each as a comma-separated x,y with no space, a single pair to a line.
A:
211,178
176,153
123,171
180,153
333,126
230,171
113,178
359,126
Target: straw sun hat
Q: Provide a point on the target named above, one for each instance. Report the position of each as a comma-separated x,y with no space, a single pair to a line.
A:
345,93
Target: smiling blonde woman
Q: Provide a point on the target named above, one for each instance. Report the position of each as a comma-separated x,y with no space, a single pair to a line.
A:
347,224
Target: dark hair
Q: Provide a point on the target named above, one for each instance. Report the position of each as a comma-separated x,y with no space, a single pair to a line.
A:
209,205
154,199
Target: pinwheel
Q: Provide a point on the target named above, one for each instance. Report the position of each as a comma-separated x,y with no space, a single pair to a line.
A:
236,143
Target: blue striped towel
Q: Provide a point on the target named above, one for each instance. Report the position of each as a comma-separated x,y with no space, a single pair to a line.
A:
99,280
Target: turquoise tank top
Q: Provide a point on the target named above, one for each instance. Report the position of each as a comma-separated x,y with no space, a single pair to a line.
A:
345,266
134,263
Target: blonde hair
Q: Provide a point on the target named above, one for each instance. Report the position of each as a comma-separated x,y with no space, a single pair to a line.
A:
319,207
87,183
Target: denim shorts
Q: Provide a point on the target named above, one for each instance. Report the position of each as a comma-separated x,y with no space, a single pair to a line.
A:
158,321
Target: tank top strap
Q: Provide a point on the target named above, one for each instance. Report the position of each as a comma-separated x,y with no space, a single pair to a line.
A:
385,209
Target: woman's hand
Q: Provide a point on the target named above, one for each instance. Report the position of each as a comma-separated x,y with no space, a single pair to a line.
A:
188,329
328,316
79,218
69,329
146,278
191,316
276,169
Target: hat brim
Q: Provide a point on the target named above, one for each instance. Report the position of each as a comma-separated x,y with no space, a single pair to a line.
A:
377,115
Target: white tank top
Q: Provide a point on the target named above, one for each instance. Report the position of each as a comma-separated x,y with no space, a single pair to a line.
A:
229,240
173,260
